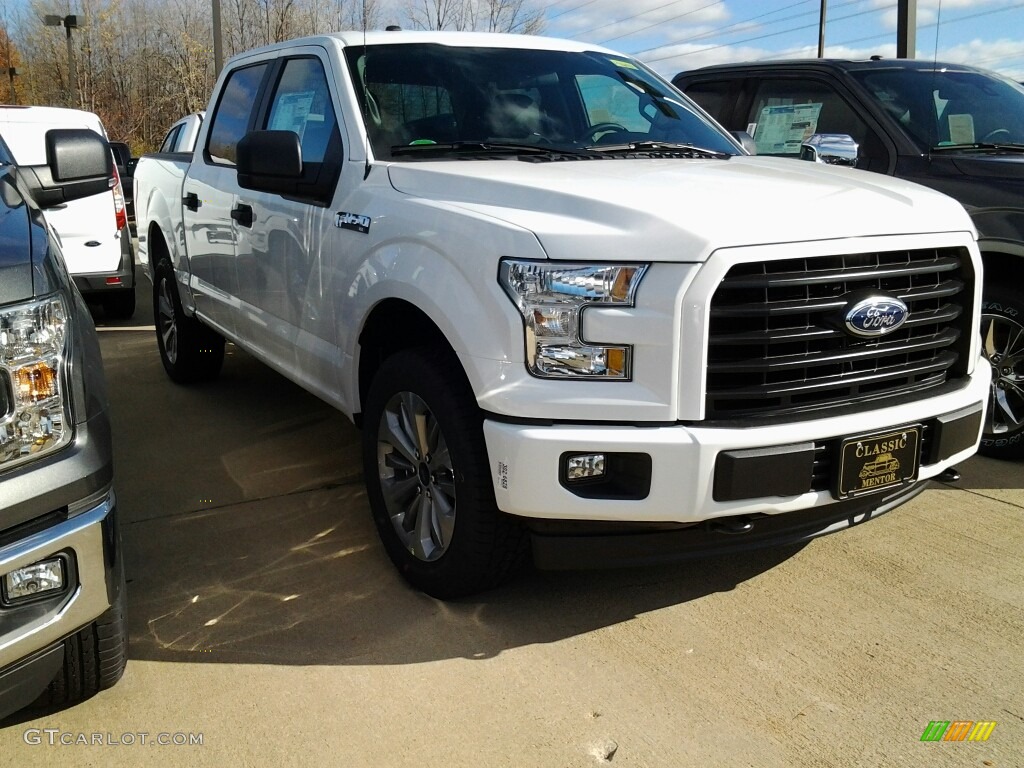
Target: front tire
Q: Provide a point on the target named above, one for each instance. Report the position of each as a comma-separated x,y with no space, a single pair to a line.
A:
1002,342
94,659
428,480
189,350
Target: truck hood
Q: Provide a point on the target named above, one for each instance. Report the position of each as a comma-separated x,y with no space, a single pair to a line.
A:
679,210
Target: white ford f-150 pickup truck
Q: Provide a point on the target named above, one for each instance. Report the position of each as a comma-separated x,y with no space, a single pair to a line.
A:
566,309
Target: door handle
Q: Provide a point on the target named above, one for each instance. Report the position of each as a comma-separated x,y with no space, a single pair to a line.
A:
191,201
242,214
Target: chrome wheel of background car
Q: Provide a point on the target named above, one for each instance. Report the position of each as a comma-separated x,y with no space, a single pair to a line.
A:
166,324
417,478
1003,345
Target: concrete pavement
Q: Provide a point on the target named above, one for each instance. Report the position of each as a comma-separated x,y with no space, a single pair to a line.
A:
267,622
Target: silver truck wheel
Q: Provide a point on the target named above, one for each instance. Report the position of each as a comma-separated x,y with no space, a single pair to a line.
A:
1002,341
189,351
166,324
416,476
428,479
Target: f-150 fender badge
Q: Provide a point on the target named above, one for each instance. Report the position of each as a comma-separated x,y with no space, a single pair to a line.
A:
353,221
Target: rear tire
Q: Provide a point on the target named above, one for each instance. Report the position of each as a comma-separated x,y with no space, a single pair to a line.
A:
1002,342
189,350
94,659
428,479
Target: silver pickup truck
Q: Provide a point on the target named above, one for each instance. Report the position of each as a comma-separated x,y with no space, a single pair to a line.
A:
62,632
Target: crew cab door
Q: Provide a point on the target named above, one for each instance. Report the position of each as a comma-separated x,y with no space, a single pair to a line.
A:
209,195
280,244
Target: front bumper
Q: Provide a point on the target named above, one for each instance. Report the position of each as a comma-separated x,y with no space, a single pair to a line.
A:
577,547
526,460
31,633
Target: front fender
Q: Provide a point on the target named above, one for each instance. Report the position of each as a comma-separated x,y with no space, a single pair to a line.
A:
448,270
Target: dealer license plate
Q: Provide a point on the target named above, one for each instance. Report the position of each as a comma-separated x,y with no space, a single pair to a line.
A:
871,463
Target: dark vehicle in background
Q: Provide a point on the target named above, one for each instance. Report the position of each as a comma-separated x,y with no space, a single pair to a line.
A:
62,595
955,128
126,170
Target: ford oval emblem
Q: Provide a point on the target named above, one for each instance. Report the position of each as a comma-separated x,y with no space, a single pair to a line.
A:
876,316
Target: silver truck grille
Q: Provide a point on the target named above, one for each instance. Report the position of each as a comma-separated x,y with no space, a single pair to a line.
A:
777,345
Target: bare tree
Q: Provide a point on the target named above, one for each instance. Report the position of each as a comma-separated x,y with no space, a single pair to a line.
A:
440,14
510,16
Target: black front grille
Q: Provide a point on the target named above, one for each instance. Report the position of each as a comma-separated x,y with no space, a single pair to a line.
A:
777,344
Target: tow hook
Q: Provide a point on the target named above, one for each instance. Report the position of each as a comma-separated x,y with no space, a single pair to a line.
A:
732,526
949,475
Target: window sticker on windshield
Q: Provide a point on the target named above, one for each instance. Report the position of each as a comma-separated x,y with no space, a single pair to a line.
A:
782,129
961,129
623,64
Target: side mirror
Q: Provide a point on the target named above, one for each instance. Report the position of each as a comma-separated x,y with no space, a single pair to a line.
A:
831,149
746,140
78,164
270,161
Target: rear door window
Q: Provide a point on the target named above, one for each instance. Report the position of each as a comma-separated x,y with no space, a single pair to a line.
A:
233,114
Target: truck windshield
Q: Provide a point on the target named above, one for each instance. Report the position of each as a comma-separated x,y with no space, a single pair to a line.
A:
947,107
429,94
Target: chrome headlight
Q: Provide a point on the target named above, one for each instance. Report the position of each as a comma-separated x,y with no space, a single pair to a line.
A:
33,404
551,298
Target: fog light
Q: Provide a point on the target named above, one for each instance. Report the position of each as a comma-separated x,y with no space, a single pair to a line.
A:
34,580
585,467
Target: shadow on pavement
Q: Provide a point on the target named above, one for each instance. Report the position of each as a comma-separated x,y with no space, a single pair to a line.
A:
247,536
303,580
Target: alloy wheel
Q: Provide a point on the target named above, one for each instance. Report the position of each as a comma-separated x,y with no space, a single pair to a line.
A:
416,475
1003,346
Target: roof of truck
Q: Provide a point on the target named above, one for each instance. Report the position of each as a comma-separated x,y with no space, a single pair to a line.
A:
839,64
455,39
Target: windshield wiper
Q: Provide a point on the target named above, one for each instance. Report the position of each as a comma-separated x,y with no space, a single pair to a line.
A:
982,146
669,148
482,148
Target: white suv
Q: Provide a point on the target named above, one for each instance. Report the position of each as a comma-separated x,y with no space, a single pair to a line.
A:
93,231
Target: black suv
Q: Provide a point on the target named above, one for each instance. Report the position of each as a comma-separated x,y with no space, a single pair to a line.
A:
955,128
62,632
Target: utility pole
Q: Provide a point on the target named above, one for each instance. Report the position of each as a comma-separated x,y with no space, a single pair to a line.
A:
218,45
69,22
11,70
821,30
906,29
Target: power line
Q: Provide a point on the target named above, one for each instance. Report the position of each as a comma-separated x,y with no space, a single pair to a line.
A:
628,18
688,13
974,15
758,37
719,30
570,10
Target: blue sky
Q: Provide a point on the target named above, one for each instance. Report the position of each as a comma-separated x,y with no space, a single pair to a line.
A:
685,34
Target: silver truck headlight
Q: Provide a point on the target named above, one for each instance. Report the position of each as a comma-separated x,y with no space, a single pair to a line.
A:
34,418
551,298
